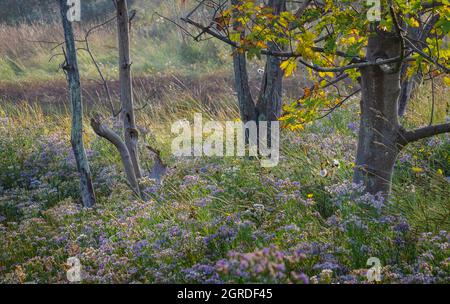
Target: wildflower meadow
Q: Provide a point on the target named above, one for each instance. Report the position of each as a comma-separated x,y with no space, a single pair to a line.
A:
217,218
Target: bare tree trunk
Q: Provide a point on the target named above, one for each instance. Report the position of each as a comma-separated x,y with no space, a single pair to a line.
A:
409,85
246,103
408,88
126,89
105,132
378,145
270,99
127,148
245,99
73,78
268,107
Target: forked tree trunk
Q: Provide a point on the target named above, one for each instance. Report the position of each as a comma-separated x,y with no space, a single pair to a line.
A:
378,145
128,148
104,131
73,78
126,89
269,103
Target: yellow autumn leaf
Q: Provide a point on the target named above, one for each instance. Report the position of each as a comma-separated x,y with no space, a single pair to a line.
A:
288,66
447,80
413,22
296,127
417,169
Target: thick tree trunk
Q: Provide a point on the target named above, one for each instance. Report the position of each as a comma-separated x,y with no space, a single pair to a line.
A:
73,78
268,107
378,145
126,89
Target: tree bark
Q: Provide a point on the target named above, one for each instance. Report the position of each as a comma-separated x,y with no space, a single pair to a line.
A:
126,90
408,89
245,99
246,103
105,132
378,145
73,78
410,85
269,104
268,107
381,137
270,100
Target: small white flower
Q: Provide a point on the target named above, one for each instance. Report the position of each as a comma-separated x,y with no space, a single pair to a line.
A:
258,207
336,163
323,173
260,71
4,121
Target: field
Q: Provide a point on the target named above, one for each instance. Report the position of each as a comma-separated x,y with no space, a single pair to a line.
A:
213,220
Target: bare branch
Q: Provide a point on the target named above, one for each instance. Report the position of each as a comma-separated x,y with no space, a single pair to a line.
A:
104,131
425,132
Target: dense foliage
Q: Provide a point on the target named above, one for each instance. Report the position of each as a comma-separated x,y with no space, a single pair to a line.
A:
331,38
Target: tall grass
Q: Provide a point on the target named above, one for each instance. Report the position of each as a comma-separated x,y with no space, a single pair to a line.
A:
30,52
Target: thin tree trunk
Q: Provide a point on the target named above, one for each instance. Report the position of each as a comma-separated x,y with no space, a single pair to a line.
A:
246,103
268,107
245,99
378,145
270,99
105,132
408,88
409,85
73,78
126,89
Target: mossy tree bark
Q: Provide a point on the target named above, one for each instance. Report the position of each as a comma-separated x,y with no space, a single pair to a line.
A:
73,78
